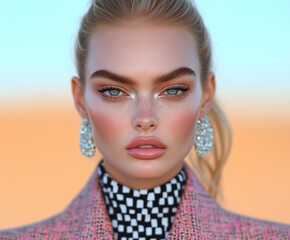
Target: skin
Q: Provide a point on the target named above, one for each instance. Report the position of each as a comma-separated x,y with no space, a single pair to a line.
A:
142,52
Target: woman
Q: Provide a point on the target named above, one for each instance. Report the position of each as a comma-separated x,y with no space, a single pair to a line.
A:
145,91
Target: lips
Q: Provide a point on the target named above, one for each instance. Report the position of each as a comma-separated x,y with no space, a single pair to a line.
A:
139,141
146,153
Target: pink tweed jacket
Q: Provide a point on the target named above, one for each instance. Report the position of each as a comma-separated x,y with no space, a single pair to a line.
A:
199,217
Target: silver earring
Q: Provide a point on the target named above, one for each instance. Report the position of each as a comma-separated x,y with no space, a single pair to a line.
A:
87,145
203,137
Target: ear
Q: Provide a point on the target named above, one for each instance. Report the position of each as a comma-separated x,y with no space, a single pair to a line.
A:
208,95
78,96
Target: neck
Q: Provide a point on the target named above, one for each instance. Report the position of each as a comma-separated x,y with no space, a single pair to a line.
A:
141,182
133,211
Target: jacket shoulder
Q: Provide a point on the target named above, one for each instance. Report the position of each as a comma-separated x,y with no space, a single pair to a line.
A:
84,218
245,227
51,228
202,217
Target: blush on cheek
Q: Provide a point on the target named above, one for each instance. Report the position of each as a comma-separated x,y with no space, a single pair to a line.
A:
106,127
181,123
108,123
184,127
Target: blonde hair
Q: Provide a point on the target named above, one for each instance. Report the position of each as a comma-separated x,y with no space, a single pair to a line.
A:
180,13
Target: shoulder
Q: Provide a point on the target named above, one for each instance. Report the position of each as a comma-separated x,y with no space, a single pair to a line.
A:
50,227
86,216
244,227
59,226
202,217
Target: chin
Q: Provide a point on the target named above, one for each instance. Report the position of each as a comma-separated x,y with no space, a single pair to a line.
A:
149,169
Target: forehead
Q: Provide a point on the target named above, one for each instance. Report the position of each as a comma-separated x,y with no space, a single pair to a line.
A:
142,49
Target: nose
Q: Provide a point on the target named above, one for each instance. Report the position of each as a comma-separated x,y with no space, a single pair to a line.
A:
145,117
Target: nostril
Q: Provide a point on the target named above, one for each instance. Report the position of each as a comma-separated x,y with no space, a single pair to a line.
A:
145,125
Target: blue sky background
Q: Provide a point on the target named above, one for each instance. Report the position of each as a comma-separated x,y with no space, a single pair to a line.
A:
251,42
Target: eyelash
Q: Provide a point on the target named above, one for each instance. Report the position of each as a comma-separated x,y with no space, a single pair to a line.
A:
183,88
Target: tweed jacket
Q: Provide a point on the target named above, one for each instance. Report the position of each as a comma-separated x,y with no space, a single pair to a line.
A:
199,216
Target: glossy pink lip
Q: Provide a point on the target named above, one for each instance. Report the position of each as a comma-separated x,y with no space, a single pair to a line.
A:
146,153
146,141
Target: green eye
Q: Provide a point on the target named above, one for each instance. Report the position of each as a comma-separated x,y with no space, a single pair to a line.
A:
176,90
173,91
114,92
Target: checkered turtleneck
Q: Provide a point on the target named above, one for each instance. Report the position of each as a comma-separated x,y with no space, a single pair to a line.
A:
141,214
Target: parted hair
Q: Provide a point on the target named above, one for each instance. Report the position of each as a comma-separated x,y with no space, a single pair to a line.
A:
103,14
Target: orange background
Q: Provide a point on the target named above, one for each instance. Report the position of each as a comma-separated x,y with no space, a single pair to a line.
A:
42,169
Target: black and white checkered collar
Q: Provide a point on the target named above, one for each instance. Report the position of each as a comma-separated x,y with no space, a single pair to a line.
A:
141,214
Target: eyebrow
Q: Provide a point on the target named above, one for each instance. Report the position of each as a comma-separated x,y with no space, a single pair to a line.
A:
182,71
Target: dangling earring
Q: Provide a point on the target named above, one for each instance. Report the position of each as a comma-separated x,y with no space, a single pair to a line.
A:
203,137
86,139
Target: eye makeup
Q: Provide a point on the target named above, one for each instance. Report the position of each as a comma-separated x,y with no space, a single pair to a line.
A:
109,97
113,92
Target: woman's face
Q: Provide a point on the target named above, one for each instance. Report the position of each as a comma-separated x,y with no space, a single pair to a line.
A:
120,112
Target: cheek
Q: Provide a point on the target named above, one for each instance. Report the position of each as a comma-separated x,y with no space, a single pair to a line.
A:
182,125
109,124
108,129
105,126
180,121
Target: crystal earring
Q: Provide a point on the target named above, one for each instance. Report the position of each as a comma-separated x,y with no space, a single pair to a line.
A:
203,137
87,145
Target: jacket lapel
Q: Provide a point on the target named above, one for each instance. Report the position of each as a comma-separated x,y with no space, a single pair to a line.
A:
96,222
192,210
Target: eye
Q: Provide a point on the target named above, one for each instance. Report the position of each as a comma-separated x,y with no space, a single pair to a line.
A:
113,92
177,90
173,91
